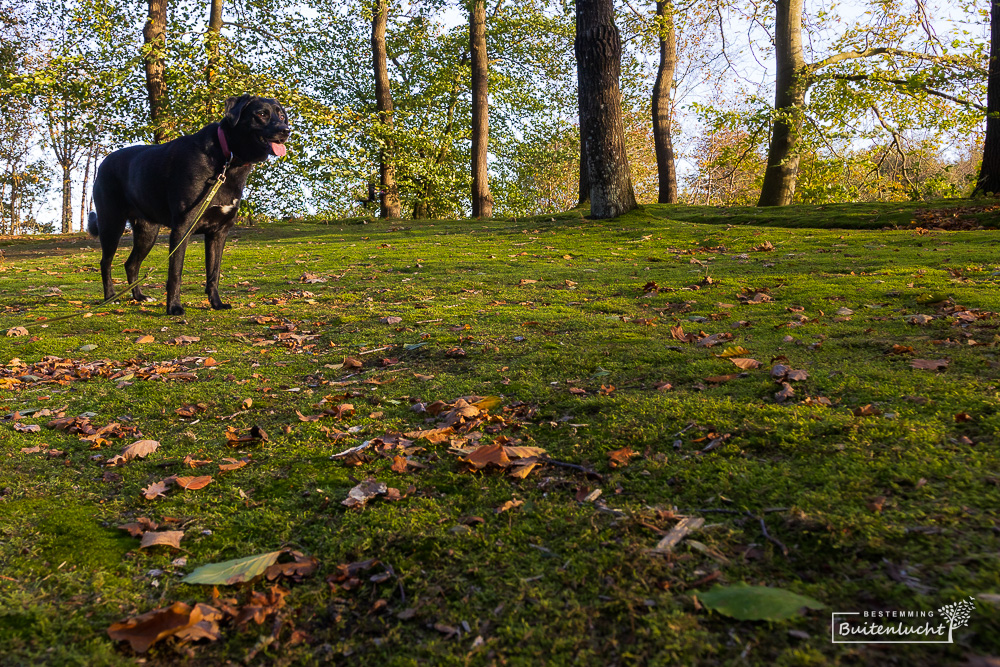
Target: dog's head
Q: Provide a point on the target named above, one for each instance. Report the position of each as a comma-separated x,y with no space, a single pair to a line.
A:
255,127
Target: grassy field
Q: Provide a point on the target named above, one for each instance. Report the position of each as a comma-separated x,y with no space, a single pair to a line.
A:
857,463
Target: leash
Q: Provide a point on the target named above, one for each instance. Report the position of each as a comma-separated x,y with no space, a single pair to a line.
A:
220,179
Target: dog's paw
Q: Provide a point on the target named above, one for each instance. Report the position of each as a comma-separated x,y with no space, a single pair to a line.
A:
175,310
221,306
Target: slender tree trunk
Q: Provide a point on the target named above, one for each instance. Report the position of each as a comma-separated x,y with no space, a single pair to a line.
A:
212,39
67,197
663,105
789,99
389,196
989,173
83,194
482,200
598,54
154,37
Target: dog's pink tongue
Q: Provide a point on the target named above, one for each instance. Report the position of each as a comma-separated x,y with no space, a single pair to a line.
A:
278,149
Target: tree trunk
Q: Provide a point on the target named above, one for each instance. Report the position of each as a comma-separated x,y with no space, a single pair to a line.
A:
584,196
83,194
789,98
212,39
663,105
154,38
482,201
389,195
989,173
598,55
67,197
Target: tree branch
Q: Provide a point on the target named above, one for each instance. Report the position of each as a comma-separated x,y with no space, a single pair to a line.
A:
903,83
961,61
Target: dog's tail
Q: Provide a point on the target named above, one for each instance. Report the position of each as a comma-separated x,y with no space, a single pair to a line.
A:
92,227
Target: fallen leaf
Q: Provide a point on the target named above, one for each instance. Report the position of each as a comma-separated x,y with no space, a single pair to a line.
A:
392,319
745,363
17,331
620,457
929,364
27,428
139,449
509,505
145,339
156,490
236,571
785,393
488,455
233,464
193,483
167,538
363,492
144,630
756,603
182,340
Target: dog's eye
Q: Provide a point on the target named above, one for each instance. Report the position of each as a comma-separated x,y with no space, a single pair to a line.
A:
262,114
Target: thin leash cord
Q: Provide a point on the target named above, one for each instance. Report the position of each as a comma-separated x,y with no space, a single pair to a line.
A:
201,211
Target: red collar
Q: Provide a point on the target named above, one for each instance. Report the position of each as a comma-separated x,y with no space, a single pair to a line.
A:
225,144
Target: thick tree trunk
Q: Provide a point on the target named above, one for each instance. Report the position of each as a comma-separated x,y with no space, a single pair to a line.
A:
584,195
598,55
663,105
389,195
212,39
482,201
989,173
67,197
154,38
789,98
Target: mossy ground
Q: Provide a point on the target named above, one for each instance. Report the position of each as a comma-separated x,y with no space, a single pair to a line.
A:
895,510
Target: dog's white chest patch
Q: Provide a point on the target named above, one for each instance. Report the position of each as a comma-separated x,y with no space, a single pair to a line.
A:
229,208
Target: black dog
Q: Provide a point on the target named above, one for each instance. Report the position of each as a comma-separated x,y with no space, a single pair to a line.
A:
164,185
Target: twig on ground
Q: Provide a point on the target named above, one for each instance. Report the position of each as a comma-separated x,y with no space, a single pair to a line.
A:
573,466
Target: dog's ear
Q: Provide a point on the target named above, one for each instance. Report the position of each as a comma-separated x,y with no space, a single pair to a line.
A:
234,109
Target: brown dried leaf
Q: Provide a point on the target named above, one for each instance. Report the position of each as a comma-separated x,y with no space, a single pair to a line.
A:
745,363
509,505
929,364
156,490
487,455
167,538
137,450
620,457
144,630
141,340
182,340
785,393
193,483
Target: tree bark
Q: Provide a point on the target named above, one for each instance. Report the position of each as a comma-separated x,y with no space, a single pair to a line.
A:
212,39
663,105
83,193
482,200
584,196
789,99
989,172
154,38
598,54
67,197
389,195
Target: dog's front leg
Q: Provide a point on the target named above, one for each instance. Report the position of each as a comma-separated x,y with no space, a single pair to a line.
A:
214,243
178,244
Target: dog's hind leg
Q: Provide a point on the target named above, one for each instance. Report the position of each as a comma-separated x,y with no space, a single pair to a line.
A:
110,232
143,239
214,244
